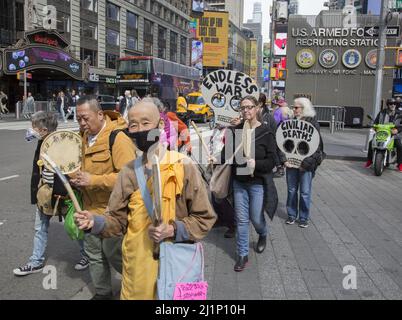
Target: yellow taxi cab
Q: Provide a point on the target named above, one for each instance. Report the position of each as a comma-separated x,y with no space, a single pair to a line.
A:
197,109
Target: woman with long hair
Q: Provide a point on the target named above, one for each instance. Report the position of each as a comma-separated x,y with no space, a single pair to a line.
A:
299,180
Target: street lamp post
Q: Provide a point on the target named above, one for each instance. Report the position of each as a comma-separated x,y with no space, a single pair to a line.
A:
271,54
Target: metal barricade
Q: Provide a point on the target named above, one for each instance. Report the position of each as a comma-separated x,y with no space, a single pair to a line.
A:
333,115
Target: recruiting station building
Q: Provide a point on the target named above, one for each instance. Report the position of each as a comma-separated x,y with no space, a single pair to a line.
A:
333,63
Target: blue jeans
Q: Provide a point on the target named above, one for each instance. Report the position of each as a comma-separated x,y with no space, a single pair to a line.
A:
248,201
40,239
296,180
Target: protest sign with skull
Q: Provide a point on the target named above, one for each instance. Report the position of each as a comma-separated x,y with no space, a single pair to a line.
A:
298,139
222,91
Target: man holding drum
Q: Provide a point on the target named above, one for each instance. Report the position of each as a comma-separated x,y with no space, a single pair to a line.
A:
100,165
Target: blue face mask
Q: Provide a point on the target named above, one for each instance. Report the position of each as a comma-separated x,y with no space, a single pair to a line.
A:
31,135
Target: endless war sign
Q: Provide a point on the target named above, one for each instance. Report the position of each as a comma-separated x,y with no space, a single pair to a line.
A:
222,91
298,139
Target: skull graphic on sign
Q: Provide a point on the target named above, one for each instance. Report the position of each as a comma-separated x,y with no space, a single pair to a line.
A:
297,139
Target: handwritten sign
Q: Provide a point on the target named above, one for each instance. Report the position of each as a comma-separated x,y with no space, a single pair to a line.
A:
191,291
223,90
298,139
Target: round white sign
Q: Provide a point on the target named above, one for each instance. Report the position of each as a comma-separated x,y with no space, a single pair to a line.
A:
298,139
222,91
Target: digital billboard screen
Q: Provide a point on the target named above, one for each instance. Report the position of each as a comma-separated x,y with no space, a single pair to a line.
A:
198,6
41,57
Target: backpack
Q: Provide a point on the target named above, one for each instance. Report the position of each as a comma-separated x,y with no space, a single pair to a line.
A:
112,138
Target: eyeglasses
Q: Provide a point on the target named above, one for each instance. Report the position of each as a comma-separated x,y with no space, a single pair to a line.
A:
296,107
243,108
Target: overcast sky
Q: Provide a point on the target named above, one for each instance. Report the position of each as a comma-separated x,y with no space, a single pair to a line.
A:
305,7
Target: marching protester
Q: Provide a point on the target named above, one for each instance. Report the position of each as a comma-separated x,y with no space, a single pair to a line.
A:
134,97
100,165
248,180
389,115
299,180
186,212
43,123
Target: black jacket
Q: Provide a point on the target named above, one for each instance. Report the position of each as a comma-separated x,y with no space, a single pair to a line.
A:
123,104
58,187
66,103
265,148
311,163
380,119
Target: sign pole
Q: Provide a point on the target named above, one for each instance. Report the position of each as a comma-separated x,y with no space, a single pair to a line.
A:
270,86
380,62
381,58
25,85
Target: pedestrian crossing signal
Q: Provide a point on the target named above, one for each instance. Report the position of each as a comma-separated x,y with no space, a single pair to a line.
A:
282,74
399,58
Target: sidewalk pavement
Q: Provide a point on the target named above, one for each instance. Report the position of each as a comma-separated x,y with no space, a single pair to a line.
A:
345,145
355,221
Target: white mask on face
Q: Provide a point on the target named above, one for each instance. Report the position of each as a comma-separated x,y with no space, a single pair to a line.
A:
31,134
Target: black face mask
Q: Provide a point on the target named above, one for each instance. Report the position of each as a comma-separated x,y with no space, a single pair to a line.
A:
140,139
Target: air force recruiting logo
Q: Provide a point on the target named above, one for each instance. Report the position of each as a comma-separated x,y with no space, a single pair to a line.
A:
305,58
298,139
223,90
328,58
351,58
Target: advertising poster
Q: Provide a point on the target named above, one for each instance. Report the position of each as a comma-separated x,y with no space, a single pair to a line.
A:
196,54
198,6
280,44
213,30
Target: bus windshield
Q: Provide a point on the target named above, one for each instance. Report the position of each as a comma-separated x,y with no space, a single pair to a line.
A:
134,66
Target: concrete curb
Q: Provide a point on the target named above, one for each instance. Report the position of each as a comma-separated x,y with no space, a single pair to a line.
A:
346,158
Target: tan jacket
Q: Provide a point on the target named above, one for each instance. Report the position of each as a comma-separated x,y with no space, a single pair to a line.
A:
193,207
103,165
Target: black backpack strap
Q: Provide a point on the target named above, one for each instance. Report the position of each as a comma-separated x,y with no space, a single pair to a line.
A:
112,138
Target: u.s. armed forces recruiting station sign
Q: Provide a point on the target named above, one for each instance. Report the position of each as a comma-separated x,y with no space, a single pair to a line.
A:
298,139
222,91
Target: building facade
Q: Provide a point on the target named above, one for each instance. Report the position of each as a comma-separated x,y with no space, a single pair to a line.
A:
104,30
234,7
256,30
336,66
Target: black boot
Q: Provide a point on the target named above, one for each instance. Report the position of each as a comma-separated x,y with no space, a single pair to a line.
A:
241,263
230,233
262,242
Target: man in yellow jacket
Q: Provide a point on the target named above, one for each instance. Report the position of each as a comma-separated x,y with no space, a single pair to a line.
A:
186,211
101,162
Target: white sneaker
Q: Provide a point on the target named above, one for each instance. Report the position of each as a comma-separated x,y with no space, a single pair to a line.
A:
82,264
65,121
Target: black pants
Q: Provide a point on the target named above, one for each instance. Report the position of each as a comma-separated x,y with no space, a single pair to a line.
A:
398,146
225,212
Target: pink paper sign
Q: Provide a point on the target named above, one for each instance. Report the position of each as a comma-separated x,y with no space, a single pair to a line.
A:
191,291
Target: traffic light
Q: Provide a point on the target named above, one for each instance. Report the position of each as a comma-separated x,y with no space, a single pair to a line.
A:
399,57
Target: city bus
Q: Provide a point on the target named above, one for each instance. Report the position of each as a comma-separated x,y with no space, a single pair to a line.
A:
160,78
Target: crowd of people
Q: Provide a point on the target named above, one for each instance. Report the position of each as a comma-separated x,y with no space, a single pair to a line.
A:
118,230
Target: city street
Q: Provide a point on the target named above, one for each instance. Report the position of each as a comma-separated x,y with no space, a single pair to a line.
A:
355,221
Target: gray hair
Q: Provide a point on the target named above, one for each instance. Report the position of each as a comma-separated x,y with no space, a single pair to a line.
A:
157,102
308,109
92,101
45,120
